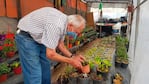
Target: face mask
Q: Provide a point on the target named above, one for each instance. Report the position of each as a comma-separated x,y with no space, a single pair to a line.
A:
72,34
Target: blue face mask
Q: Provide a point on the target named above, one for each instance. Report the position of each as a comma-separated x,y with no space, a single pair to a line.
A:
72,34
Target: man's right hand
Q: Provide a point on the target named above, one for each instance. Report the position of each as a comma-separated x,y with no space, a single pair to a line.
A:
77,61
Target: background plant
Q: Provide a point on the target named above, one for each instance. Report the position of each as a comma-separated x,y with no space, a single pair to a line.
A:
4,68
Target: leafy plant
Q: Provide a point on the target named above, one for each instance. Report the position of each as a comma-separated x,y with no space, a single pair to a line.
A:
98,60
9,45
92,64
126,41
105,65
4,68
15,64
122,55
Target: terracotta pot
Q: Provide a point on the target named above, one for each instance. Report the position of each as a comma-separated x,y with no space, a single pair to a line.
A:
10,54
3,78
86,69
17,70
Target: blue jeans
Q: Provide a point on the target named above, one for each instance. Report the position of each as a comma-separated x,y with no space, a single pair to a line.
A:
35,65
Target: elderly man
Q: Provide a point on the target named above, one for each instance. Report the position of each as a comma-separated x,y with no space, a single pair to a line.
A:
39,34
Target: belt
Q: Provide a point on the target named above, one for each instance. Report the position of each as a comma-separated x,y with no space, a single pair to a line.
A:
21,32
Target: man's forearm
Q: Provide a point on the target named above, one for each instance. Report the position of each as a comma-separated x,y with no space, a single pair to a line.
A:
57,57
64,50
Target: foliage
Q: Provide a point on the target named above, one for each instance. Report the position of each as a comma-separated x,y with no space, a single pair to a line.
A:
4,68
85,63
69,69
15,64
126,41
122,55
9,45
92,64
98,60
105,65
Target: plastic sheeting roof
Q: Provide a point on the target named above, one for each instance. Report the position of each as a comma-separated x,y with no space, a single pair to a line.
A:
110,5
108,1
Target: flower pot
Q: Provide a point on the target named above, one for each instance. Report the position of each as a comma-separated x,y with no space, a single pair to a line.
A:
3,78
85,80
97,79
104,74
73,77
123,65
72,80
10,54
85,69
117,64
17,70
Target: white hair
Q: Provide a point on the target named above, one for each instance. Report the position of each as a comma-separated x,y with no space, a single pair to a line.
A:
76,20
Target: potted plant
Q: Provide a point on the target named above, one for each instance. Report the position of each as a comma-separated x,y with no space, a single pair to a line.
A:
71,74
84,79
16,67
125,60
104,68
117,79
97,79
9,47
85,67
119,54
4,70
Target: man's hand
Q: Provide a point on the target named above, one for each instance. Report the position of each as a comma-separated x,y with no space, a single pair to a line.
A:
77,61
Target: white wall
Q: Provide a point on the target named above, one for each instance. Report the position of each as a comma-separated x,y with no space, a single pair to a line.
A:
140,59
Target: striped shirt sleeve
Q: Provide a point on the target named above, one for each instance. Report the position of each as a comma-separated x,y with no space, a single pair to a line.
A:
51,36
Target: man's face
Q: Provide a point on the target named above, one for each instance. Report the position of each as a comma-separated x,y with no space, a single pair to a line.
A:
79,29
73,31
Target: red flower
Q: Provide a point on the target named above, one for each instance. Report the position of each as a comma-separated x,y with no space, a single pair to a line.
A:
9,36
8,45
